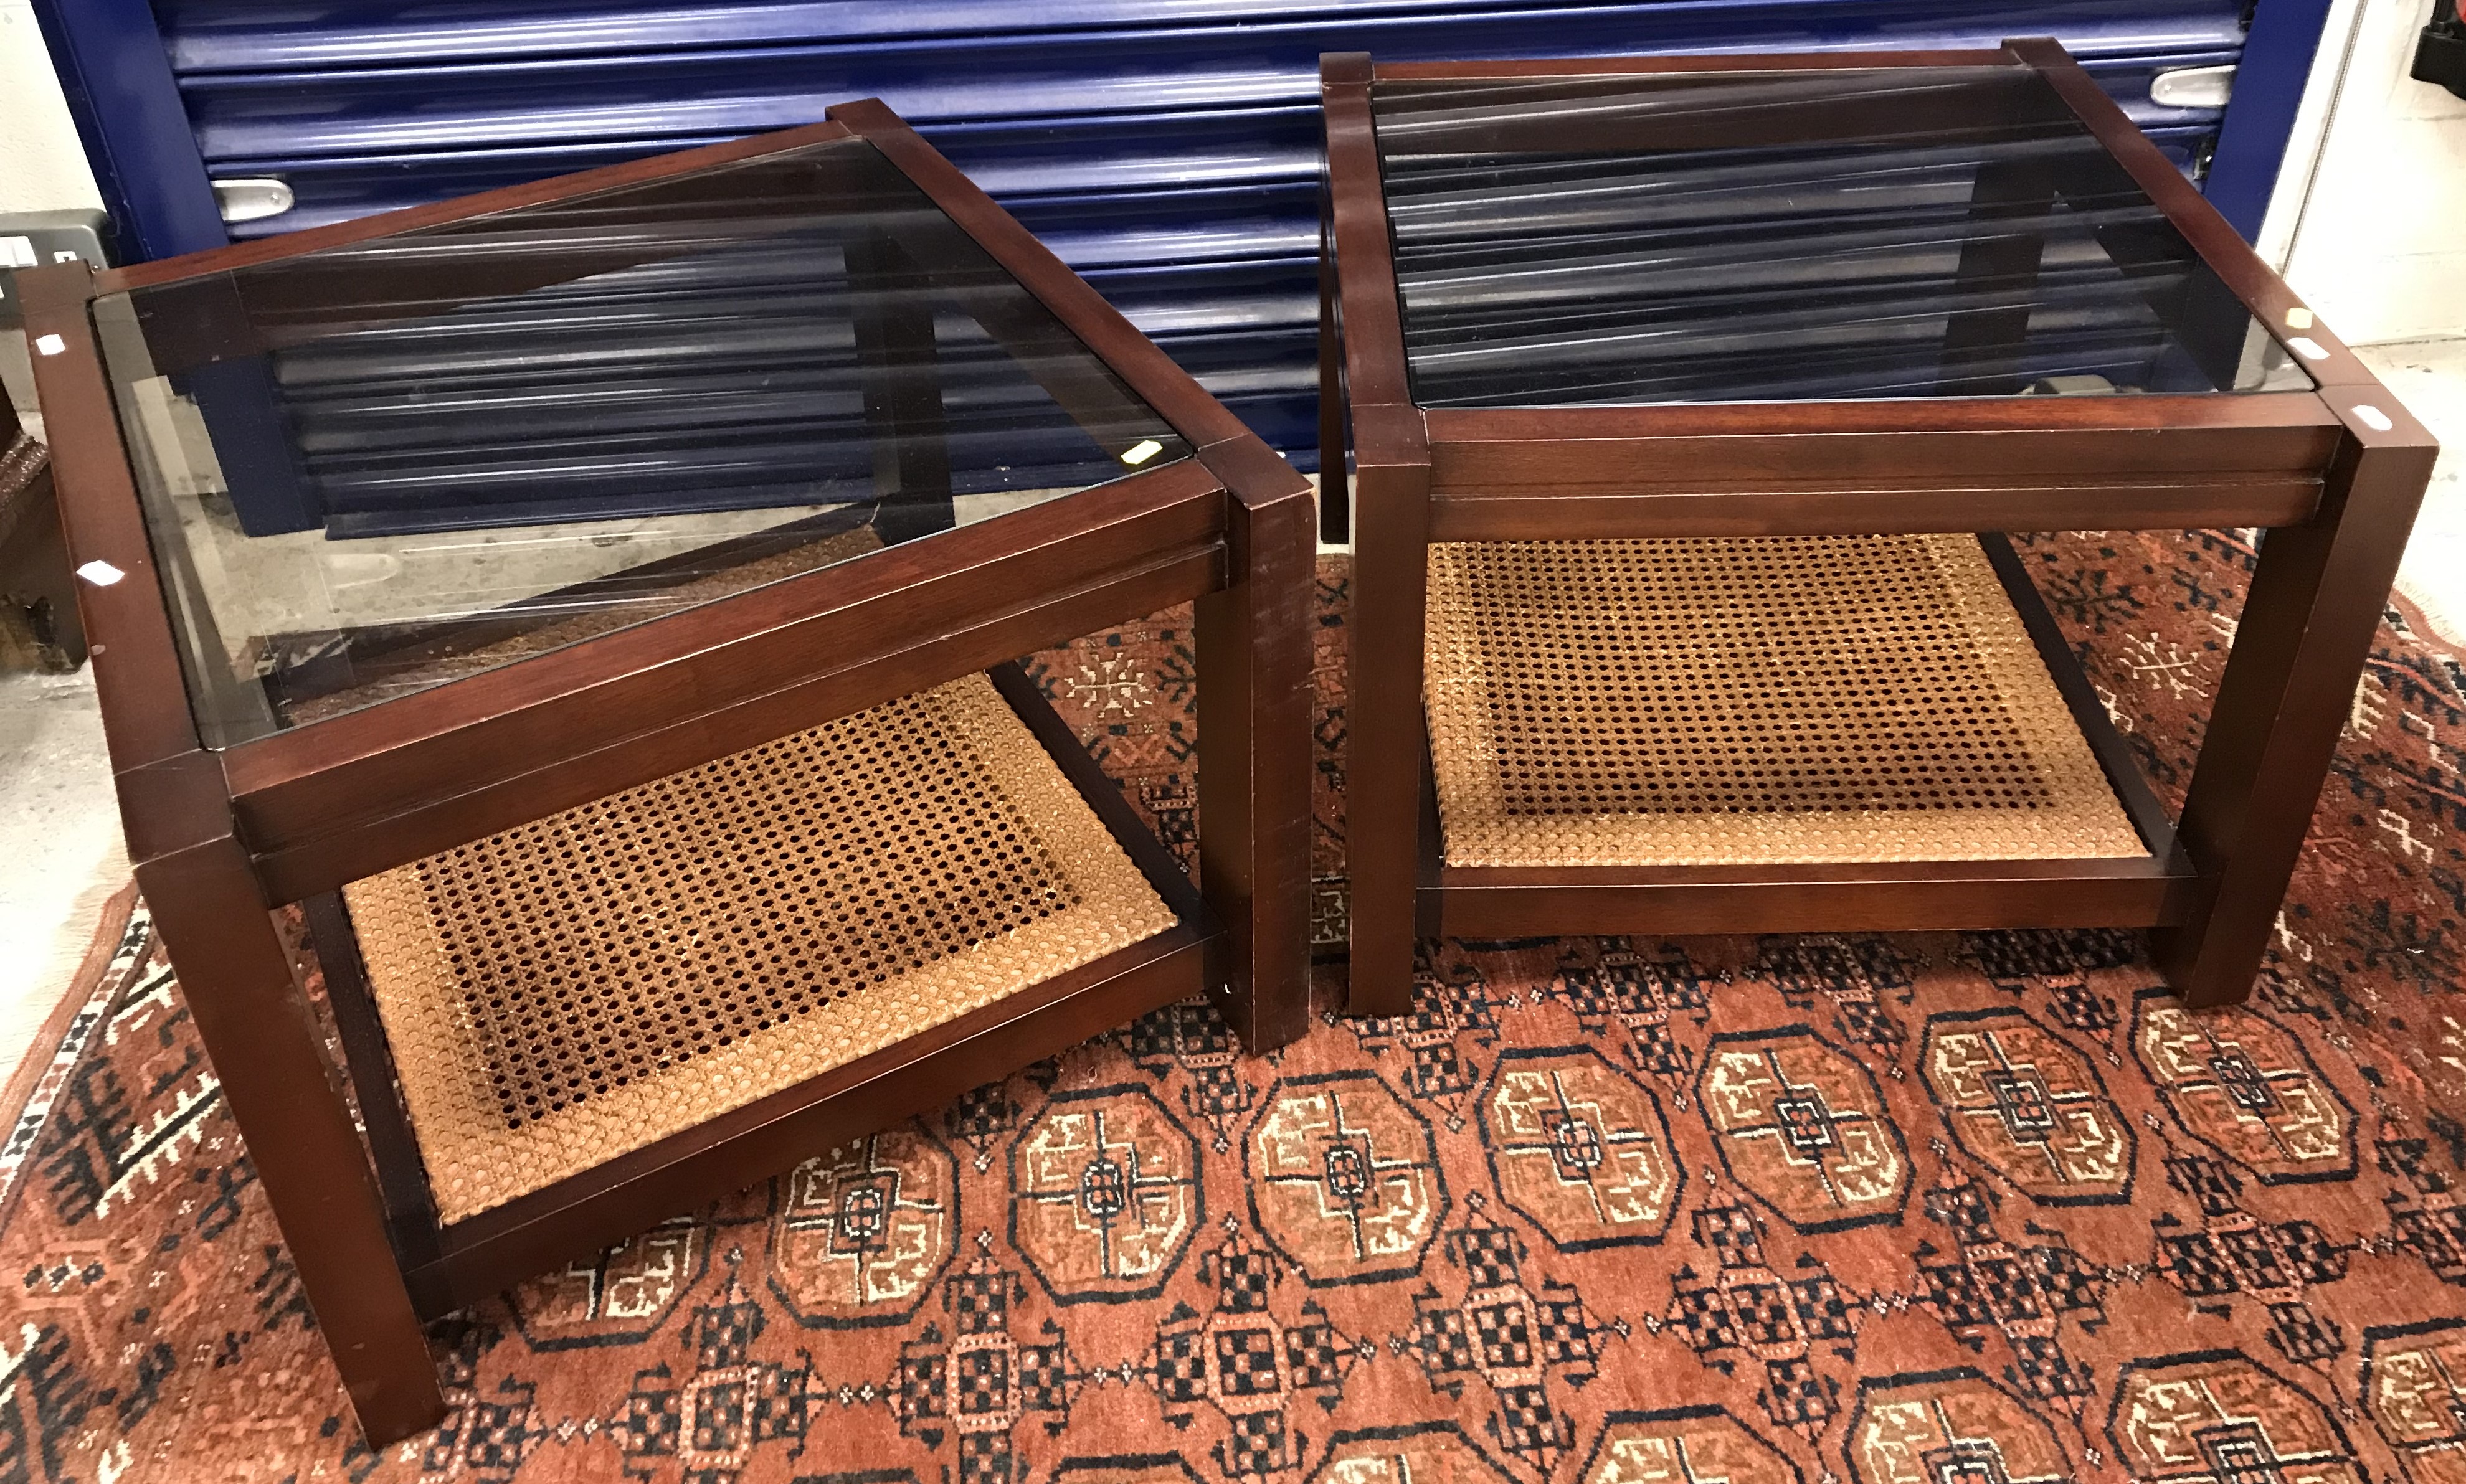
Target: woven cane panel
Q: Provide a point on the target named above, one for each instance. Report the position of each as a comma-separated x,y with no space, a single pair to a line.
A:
588,983
1746,701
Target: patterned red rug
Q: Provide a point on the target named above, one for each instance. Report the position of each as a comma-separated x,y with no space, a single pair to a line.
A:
1979,1208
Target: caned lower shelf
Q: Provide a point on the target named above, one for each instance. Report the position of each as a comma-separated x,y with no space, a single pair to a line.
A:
1754,701
587,984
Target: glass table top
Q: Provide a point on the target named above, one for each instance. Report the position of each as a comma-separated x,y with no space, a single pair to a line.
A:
1851,233
380,468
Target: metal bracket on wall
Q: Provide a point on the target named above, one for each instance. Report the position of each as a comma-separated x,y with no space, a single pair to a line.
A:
251,200
2194,87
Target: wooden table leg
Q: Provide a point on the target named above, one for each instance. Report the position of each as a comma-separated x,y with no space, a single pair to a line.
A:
2290,682
1984,347
254,1019
1254,769
1383,807
902,375
1334,461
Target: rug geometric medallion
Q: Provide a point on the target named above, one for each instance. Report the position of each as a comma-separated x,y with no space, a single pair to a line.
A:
1779,1210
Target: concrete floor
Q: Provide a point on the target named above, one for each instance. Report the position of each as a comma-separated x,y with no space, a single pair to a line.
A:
60,849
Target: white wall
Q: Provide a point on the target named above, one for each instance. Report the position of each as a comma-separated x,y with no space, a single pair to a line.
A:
41,167
2377,242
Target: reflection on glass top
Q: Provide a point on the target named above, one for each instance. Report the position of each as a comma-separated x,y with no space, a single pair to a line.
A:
1789,236
376,469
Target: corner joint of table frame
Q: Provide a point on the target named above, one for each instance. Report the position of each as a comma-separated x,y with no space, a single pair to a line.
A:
863,115
2378,423
1253,475
1344,69
55,287
1388,435
173,805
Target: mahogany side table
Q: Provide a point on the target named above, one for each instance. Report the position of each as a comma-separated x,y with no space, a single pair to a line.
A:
576,599
1683,399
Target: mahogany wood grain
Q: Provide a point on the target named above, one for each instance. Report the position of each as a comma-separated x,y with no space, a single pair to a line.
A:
2245,412
1605,512
1915,107
1674,901
438,214
1386,733
1335,445
570,704
1712,62
2219,245
2307,626
1255,701
1384,806
1199,417
1370,309
881,661
1880,443
268,1053
394,1148
2115,759
129,633
2285,461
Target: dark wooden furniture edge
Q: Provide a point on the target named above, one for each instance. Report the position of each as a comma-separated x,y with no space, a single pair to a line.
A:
2249,279
1386,817
1816,508
438,214
129,633
319,859
1480,903
1246,513
480,1255
1198,416
252,1013
623,708
2309,619
417,640
385,1120
1518,68
1028,702
2122,771
2143,413
1386,426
